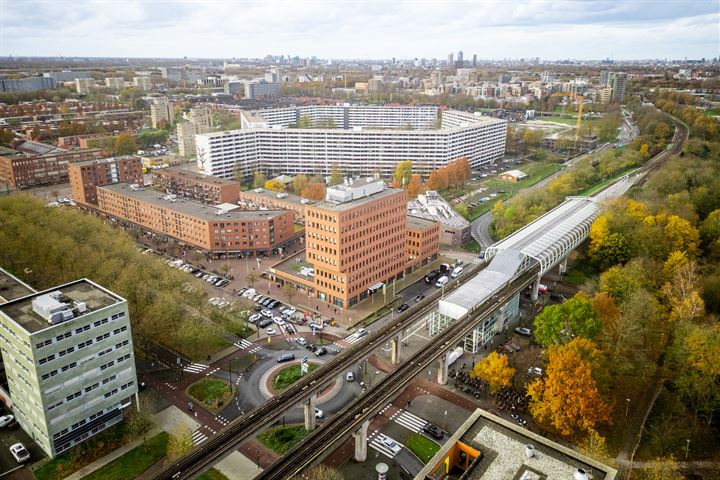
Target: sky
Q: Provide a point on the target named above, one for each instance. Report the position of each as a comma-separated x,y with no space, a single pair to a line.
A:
367,29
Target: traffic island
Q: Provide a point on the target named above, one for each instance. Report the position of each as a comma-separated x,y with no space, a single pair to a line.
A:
285,377
282,439
214,394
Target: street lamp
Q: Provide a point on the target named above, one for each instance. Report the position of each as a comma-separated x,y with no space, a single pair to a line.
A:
627,407
687,449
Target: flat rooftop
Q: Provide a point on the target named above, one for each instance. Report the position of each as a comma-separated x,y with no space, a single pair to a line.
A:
180,172
94,296
188,207
99,161
420,223
12,287
432,206
342,206
502,446
270,195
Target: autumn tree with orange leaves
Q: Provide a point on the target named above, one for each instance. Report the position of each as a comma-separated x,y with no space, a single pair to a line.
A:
568,398
415,186
495,371
314,191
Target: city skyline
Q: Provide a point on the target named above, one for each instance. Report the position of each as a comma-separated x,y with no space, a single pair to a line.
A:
370,30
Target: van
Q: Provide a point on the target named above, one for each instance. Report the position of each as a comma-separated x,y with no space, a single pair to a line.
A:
457,272
444,268
249,293
441,281
431,276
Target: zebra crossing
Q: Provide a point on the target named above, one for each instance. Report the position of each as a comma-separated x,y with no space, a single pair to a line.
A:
352,339
198,437
195,368
375,441
477,260
408,420
243,344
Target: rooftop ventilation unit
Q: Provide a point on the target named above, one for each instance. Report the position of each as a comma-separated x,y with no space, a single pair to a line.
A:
50,308
580,474
529,451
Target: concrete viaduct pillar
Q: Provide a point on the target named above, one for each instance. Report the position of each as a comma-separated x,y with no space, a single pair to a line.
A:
361,442
395,350
309,407
442,377
535,289
562,267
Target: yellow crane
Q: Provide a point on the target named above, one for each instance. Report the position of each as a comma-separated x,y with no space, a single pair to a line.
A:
580,99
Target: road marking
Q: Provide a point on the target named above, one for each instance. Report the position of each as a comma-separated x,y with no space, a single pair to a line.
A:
198,437
212,371
352,339
195,368
409,421
243,344
224,421
170,386
376,443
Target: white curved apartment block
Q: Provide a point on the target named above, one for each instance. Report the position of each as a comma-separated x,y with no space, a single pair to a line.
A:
366,140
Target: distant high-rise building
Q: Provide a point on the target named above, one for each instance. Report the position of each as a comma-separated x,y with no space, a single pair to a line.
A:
84,85
273,76
460,59
67,75
546,77
604,78
474,64
143,83
605,94
116,83
233,87
504,78
450,60
161,110
200,121
255,89
616,80
27,84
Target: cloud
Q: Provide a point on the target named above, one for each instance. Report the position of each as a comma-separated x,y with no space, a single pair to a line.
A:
361,29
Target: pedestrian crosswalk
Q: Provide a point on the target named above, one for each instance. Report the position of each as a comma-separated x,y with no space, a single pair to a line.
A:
408,420
243,344
195,368
212,371
376,442
352,339
477,260
198,437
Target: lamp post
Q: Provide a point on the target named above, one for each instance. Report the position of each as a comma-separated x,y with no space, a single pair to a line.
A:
627,407
687,449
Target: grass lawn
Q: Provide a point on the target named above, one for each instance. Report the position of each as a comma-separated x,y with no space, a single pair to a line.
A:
212,474
212,393
558,119
244,331
421,446
240,365
210,346
289,375
599,186
134,462
282,439
576,277
472,246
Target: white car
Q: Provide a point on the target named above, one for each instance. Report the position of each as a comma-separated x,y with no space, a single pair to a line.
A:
350,377
391,444
20,453
271,331
6,420
523,331
266,313
301,341
319,413
279,321
289,311
361,332
254,318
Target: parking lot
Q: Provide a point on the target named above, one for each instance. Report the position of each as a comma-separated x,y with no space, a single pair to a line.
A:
8,436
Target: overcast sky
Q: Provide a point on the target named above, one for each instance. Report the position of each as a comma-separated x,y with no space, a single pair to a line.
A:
494,29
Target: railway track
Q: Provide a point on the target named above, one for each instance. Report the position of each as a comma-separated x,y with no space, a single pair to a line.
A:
213,450
680,137
342,425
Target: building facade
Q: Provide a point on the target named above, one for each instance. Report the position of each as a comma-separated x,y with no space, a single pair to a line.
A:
25,171
116,83
186,132
423,242
201,226
358,147
143,83
69,361
84,85
27,84
257,89
262,198
86,176
161,110
196,186
356,241
616,81
454,228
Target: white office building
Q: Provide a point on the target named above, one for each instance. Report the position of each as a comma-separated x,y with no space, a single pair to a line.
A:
69,361
366,140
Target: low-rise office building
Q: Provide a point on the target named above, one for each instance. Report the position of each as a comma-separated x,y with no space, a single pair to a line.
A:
30,170
454,229
86,176
258,89
423,242
27,84
69,362
262,198
143,83
196,186
205,227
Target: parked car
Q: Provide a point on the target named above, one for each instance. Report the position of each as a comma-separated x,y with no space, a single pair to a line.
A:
274,303
432,276
403,307
266,313
457,272
350,377
433,431
523,331
20,453
264,322
271,331
6,420
391,444
289,311
361,332
286,357
319,413
254,318
320,351
279,321
442,281
301,341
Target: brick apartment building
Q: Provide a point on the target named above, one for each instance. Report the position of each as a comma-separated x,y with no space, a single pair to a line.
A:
356,240
26,170
196,186
423,242
260,197
202,226
85,176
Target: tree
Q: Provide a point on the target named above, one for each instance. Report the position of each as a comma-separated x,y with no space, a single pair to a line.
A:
443,181
495,371
321,472
125,145
6,137
557,324
568,398
179,443
415,186
462,209
433,182
274,185
662,469
594,446
644,151
683,294
336,175
259,179
314,191
251,277
403,172
289,291
662,130
299,183
451,170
